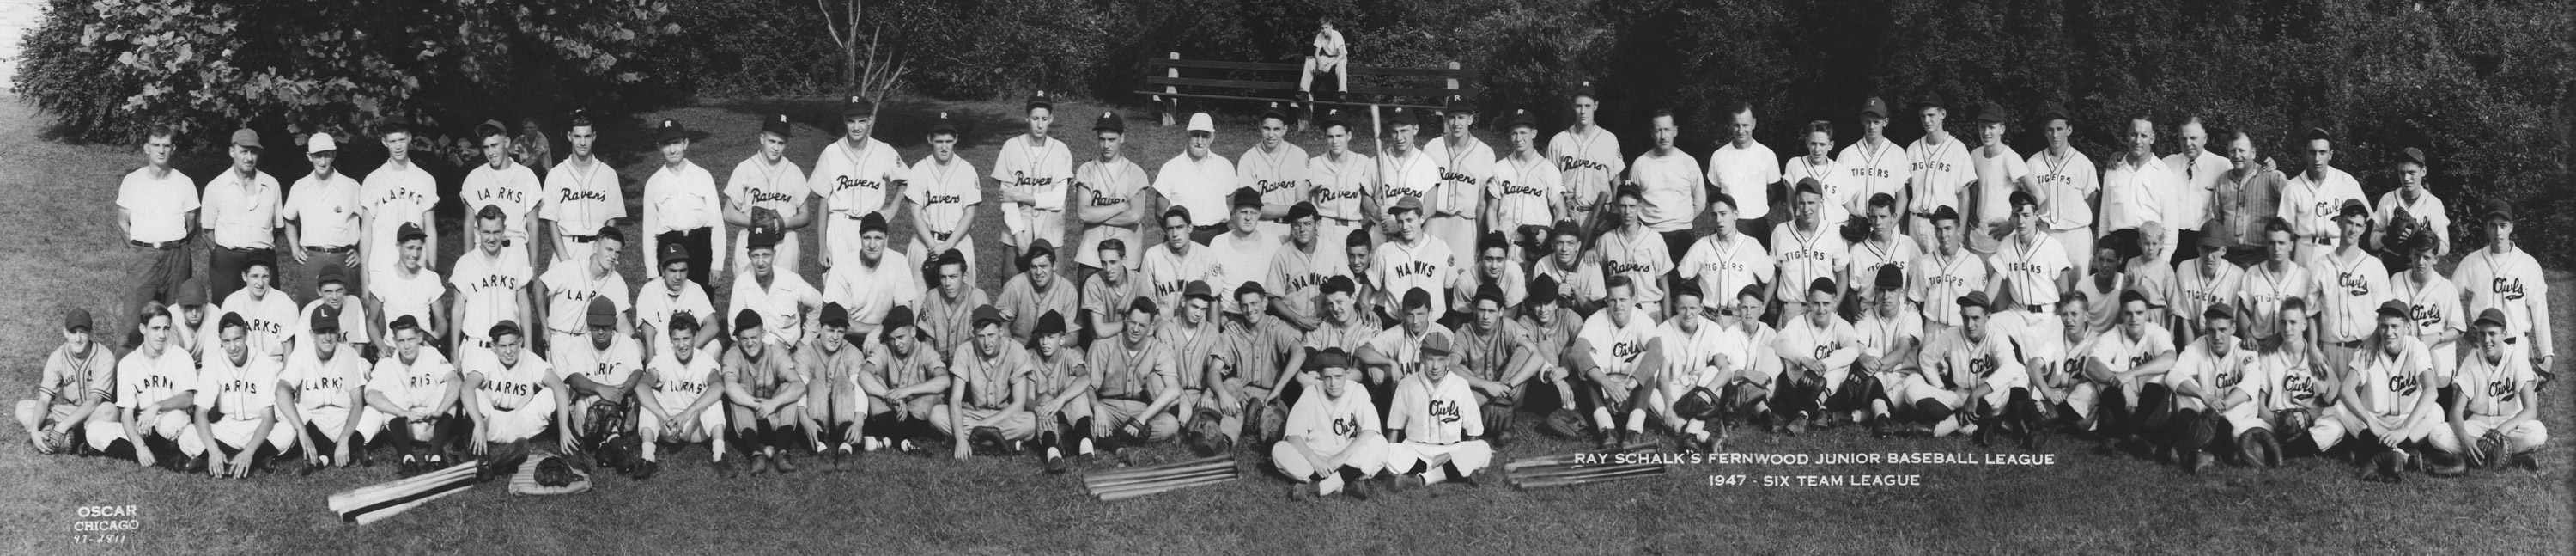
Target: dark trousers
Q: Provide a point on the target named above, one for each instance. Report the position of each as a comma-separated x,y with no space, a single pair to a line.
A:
762,434
308,275
1678,243
2187,246
700,244
224,270
155,275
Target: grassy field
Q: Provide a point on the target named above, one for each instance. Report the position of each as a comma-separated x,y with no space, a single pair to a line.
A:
55,207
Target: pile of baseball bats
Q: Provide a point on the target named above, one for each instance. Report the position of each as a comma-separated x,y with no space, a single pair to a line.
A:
373,503
1122,484
1575,469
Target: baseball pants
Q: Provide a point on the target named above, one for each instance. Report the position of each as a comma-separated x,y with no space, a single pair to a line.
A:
1466,458
1367,455
711,423
236,432
2338,422
1117,414
224,269
100,431
156,274
1458,232
438,433
919,252
508,425
1015,425
330,419
2521,437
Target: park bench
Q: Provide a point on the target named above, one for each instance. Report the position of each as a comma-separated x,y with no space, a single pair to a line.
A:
1271,82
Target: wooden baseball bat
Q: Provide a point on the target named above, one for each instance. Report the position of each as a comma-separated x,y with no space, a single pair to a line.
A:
1117,495
1154,468
448,485
1593,478
1159,473
1551,473
369,494
1097,488
380,515
1561,459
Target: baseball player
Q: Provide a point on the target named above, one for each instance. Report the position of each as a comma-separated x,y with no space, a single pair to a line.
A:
1176,262
2031,261
2418,203
1891,337
681,206
1806,251
2351,283
1412,258
1942,170
1589,158
582,194
1395,353
1339,181
2502,276
1360,251
1275,169
1036,291
1999,172
397,192
782,297
1402,171
2206,282
416,391
2197,172
1699,359
1671,189
1526,195
2276,279
79,378
946,316
570,286
2246,196
191,329
1265,351
872,281
1453,210
988,399
1033,173
911,378
2313,200
943,194
155,385
271,315
1494,266
1970,378
1880,249
324,400
2495,419
1241,254
1631,251
1819,164
2139,188
236,400
321,213
241,217
1134,380
767,180
1724,260
2109,278
1616,354
2433,303
1435,423
685,383
762,387
856,176
1109,198
602,368
1060,382
503,183
2119,369
2301,386
1944,274
2209,387
1196,179
1497,357
1552,327
1343,327
2067,185
2054,360
157,209
332,285
1333,440
1104,314
1576,272
1752,382
407,289
1875,165
490,285
513,396
1199,353
1299,268
2387,403
835,400
1816,355
668,297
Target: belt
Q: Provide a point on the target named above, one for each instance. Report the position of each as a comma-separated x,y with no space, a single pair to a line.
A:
333,250
246,249
582,239
2323,240
164,246
2355,344
2034,307
561,332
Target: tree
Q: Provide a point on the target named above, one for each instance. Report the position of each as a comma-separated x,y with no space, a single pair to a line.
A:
869,68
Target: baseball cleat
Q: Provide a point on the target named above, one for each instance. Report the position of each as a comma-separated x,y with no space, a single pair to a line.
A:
726,469
759,465
781,464
1083,448
645,469
1054,461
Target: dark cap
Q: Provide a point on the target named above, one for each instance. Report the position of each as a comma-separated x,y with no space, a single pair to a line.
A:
1331,118
1806,186
1109,121
986,314
2395,308
1492,240
1973,299
1890,277
2020,198
1457,104
1929,100
671,130
2490,317
506,327
1405,203
1039,100
1749,290
833,314
943,125
78,319
1037,247
244,137
858,106
1542,291
1245,197
1180,211
2217,311
1634,190
2353,207
2414,155
2216,241
872,222
1416,297
409,231
402,322
746,319
1300,211
1584,89
1874,107
1990,112
776,124
1519,118
1339,284
603,311
1249,287
1049,324
762,237
898,317
2149,296
326,319
1198,289
2053,111
2499,210
1273,113
674,252
330,274
231,319
490,128
1400,116
1490,292
1435,344
1332,358
191,292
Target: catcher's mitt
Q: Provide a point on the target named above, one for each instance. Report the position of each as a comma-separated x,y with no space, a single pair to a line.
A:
1564,424
2492,446
604,419
1700,403
554,472
1740,398
2293,420
1855,230
1207,437
1269,421
766,218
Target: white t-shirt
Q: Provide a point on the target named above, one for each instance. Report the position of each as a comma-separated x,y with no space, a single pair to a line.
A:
326,211
490,287
868,293
514,189
1240,259
569,287
415,296
781,305
655,305
1745,173
1669,183
1200,185
158,207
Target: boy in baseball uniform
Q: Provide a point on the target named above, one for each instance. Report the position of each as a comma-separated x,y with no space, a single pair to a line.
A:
1038,290
2350,285
942,192
2386,404
2277,279
2495,420
988,398
2211,394
325,399
1816,349
1434,424
1697,360
2031,262
682,408
1818,138
1413,258
1340,181
2300,385
1891,333
490,285
665,298
1617,353
1243,253
1526,195
2208,281
1334,439
416,389
911,378
407,288
1276,170
781,296
835,404
1171,265
1466,167
2313,200
333,287
236,400
1807,251
1299,268
2502,276
569,287
1944,274
1577,272
1724,260
1883,247
506,185
1972,382
155,385
767,180
1591,161
2120,368
601,368
2067,185
2433,302
1109,198
1635,252
1032,174
267,313
1134,381
1497,357
1061,384
1493,266
1942,171
513,396
945,314
856,176
582,193
1874,165
763,387
76,393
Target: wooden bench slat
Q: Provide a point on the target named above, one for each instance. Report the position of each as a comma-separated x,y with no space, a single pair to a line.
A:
1459,74
1229,83
1215,64
1463,89
1209,96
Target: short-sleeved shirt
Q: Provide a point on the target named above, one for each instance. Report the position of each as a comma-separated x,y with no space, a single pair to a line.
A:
1583,283
1047,171
1465,171
319,383
158,207
415,295
1426,263
1121,371
416,385
781,305
489,286
2265,290
1641,257
1239,258
2067,180
508,387
1936,283
854,179
1408,174
989,380
771,370
1513,283
2120,353
1194,349
1836,343
2349,290
1113,184
1589,161
2034,268
1745,173
1110,301
869,292
1298,276
2195,290
2511,282
756,183
1261,347
1021,297
1724,265
241,393
1874,169
1868,256
2391,386
1618,349
1838,187
144,379
353,322
1522,191
2434,308
569,287
1199,184
1405,347
1336,187
582,197
1548,341
324,210
655,304
393,196
1692,356
948,323
1805,256
1670,182
1329,424
1879,335
674,379
1279,176
2215,374
613,366
941,193
1436,412
272,318
2425,208
243,212
1939,171
1487,354
69,378
1168,272
2494,389
1348,336
1951,362
2311,205
514,189
1998,175
2297,380
899,370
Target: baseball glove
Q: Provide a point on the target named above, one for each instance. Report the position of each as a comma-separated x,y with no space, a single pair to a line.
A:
604,419
554,472
1740,398
1856,229
1564,424
2291,420
1700,403
2492,446
766,218
1207,437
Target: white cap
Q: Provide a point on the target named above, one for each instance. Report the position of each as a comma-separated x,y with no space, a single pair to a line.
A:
1201,122
320,142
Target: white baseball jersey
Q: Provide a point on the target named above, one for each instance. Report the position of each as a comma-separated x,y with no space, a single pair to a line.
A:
569,287
942,193
1616,347
2512,282
1046,170
2311,205
1725,265
1641,257
1838,187
2120,353
2263,293
1409,174
612,366
514,189
1691,358
1836,343
2296,380
508,387
1589,162
240,393
1425,263
1935,283
1583,283
854,180
582,197
781,305
2034,268
1751,347
1443,412
2215,374
2350,290
489,286
2434,307
1329,424
1874,168
2390,386
758,184
2494,388
392,196
143,379
1169,273
1522,191
1951,362
2425,207
353,322
1805,256
2067,179
676,384
417,385
1879,334
1867,256
1336,186
324,384
655,304
1114,184
1299,276
1939,172
272,319
1464,172
2195,290
1746,174
1280,176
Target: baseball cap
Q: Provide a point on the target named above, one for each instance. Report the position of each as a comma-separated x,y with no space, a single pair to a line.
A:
1400,116
78,319
1273,113
1749,290
1435,344
506,327
1990,112
671,130
330,274
326,319
2213,241
1416,297
898,317
1179,211
858,106
673,252
409,231
1973,299
762,237
1874,107
2017,198
1300,211
1109,121
1492,240
1332,357
1489,292
746,319
943,125
402,322
776,124
1049,324
1566,227
2490,317
1037,247
2353,207
1457,104
490,128
2217,311
1686,288
1519,118
1249,287
2399,309
833,314
1039,100
986,314
2053,111
1339,284
1929,100
2499,210
603,311
320,143
191,292
2414,155
1331,118
1542,291
1584,89
1807,185
1405,203
872,222
1198,289
2148,295
1199,121
1890,277
1245,197
244,137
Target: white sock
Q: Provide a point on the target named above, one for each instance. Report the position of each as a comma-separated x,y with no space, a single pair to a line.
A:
1601,417
1637,420
1697,429
1435,476
1331,483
